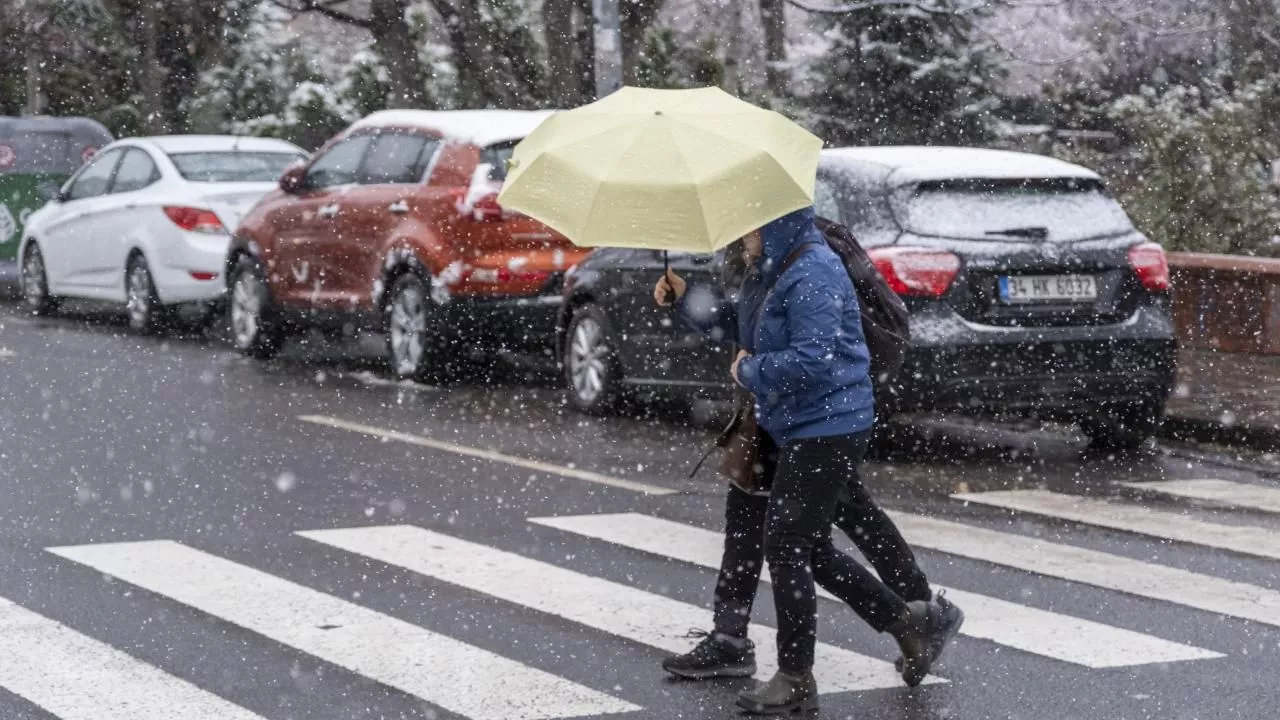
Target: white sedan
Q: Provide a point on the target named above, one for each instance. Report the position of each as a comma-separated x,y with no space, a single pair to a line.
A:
147,222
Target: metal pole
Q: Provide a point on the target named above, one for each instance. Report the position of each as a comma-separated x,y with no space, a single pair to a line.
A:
608,41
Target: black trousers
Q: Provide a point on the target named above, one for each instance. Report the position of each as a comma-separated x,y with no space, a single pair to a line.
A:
814,483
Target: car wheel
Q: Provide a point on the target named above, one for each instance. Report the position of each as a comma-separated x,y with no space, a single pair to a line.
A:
254,330
1124,427
409,337
142,303
35,283
591,368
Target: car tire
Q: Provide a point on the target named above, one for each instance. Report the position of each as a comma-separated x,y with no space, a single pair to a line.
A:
142,302
255,330
34,281
407,319
592,372
1126,427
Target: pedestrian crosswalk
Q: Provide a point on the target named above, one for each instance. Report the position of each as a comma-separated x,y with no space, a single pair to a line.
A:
391,651
1224,492
1135,519
1054,635
75,676
40,657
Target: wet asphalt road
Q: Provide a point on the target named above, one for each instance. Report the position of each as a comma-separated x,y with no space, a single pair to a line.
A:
109,438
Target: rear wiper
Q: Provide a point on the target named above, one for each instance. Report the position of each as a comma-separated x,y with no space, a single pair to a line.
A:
1036,233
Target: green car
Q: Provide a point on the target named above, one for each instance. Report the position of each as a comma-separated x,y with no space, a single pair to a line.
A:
37,155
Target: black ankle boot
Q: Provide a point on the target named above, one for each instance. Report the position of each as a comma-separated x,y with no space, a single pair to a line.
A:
912,633
782,695
944,626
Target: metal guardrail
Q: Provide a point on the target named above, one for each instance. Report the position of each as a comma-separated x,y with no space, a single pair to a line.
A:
1226,302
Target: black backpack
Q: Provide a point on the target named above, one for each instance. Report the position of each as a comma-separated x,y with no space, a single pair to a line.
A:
884,315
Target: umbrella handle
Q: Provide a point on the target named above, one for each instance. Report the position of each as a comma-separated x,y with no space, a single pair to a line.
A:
670,296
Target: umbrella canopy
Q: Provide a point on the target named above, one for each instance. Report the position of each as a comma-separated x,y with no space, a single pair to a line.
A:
689,170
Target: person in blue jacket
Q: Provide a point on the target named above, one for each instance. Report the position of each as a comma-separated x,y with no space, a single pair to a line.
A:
805,361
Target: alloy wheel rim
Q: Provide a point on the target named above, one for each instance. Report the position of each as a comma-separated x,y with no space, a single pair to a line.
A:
138,299
587,357
246,305
408,329
33,289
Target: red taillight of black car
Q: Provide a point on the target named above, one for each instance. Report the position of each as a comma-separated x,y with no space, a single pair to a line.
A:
1150,265
916,271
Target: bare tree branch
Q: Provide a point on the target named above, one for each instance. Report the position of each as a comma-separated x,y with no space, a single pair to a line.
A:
864,5
323,8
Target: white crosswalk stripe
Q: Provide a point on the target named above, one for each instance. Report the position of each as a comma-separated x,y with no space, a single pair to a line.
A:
1050,634
615,608
1091,567
391,651
76,677
1223,492
1134,518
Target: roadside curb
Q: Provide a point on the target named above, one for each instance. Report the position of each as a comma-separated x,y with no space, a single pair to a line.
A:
1185,428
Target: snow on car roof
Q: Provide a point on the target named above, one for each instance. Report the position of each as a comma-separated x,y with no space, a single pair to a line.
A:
218,143
907,165
480,127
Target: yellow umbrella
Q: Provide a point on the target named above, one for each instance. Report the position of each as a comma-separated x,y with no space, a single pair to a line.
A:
688,170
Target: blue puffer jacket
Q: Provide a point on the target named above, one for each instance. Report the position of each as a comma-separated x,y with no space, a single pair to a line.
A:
809,361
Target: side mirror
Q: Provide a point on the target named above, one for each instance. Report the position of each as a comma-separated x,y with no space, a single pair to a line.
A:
294,179
480,199
49,192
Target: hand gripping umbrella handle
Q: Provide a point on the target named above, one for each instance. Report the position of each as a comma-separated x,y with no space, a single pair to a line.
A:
670,296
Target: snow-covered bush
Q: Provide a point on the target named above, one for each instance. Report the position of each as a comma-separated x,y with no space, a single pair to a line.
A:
1195,171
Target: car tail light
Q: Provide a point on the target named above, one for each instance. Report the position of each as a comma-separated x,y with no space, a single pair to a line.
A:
505,275
195,219
920,272
1150,265
200,275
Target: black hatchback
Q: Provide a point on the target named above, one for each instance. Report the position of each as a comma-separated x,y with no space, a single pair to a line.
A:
1031,294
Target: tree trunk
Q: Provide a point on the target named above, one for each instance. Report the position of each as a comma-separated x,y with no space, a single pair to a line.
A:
395,43
155,119
585,51
35,94
733,65
469,40
637,18
773,17
563,82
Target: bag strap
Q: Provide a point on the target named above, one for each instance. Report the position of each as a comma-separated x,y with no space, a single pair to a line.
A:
790,260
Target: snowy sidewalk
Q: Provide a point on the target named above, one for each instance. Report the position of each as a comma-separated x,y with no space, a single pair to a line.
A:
1232,398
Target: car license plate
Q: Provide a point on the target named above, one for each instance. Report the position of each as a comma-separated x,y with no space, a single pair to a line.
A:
1048,288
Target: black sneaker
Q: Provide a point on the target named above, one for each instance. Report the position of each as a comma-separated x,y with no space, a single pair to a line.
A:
715,657
945,622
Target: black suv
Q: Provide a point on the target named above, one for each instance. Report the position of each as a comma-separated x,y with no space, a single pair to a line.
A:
1030,291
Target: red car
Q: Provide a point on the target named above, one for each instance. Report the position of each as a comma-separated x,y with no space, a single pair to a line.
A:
394,225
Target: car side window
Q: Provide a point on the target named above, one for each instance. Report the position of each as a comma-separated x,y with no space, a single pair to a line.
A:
497,157
825,203
396,157
340,165
136,171
92,181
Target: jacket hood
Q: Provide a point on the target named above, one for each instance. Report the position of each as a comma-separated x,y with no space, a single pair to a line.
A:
781,236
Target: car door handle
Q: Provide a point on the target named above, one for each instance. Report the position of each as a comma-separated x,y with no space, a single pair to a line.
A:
400,208
327,211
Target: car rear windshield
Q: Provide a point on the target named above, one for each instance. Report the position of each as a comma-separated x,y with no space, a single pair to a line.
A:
1059,209
232,165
